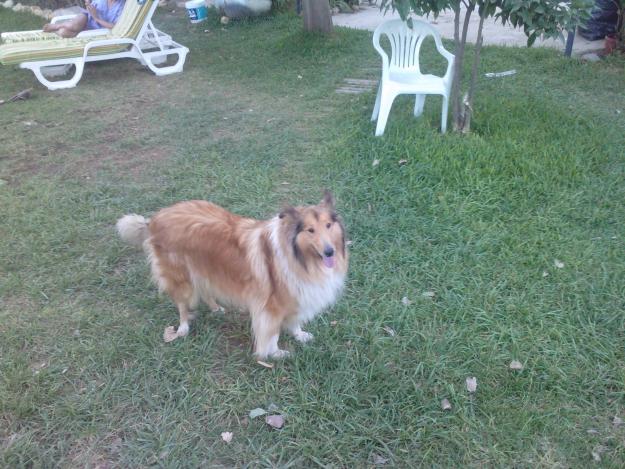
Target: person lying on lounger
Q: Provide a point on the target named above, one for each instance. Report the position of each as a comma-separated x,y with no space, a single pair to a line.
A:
99,14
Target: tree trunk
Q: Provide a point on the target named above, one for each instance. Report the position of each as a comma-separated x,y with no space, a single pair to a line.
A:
317,16
456,95
467,103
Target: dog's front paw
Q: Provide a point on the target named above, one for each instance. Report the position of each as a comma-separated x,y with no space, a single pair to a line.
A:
303,336
279,354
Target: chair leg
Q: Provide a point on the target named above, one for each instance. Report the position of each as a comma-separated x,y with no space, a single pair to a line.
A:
376,107
386,102
60,84
418,105
444,115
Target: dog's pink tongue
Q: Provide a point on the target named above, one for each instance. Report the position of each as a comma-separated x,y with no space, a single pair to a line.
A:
328,261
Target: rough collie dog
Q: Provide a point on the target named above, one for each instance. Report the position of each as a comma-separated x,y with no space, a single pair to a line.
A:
284,270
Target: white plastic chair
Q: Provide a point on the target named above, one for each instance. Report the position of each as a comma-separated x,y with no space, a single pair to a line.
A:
401,73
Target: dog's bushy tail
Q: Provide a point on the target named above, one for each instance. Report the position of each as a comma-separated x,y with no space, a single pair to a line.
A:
133,229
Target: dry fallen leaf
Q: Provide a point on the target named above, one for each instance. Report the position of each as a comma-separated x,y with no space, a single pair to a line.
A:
333,323
402,162
276,421
390,331
428,294
379,460
349,243
596,452
558,264
516,365
545,273
265,364
257,412
445,404
226,436
299,77
272,407
170,334
405,301
592,431
617,421
375,163
471,384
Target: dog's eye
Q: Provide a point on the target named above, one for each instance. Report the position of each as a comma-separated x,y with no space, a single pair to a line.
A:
311,230
328,225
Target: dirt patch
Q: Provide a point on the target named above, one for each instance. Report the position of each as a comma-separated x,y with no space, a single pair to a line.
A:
100,453
127,162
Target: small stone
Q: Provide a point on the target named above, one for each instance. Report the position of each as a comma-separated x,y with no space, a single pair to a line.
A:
516,365
428,294
405,301
558,264
375,163
402,162
225,20
8,4
226,436
445,404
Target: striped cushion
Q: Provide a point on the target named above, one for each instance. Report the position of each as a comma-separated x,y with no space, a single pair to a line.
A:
129,25
23,36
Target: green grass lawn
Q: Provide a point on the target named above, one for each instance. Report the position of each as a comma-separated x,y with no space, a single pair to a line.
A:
254,122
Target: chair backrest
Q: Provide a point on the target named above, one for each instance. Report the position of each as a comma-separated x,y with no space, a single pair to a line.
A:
405,42
134,16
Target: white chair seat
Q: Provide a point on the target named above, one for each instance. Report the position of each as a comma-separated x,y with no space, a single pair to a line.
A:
401,73
427,84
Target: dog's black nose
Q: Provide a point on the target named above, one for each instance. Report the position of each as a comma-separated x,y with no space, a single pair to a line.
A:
328,251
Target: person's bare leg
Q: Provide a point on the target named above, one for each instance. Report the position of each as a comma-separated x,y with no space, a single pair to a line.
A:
64,32
68,28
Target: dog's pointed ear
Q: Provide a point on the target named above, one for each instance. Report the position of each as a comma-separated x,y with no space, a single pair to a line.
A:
290,212
328,199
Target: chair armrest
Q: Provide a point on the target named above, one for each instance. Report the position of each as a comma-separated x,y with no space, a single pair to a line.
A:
58,19
382,52
450,60
94,32
107,42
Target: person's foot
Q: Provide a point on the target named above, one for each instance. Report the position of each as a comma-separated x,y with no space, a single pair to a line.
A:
48,28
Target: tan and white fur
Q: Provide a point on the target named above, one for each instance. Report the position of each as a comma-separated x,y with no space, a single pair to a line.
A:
284,270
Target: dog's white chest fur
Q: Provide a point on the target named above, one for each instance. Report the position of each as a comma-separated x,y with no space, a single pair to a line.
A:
314,298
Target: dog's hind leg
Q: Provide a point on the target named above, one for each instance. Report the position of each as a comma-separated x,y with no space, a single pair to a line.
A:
266,328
